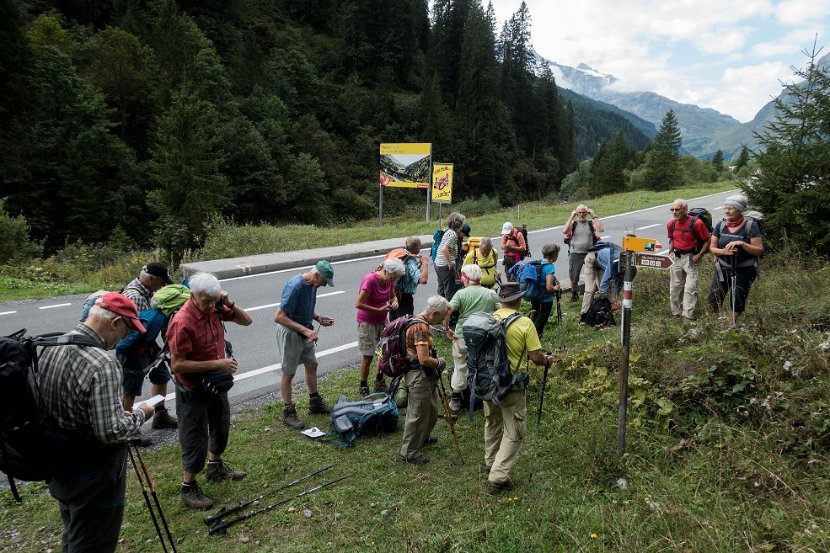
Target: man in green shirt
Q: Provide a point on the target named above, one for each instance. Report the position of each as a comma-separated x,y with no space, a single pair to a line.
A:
505,420
474,298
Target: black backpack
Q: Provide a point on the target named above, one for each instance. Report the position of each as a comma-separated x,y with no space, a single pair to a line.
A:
32,448
600,314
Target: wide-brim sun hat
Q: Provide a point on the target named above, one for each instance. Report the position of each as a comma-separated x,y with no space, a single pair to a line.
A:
510,291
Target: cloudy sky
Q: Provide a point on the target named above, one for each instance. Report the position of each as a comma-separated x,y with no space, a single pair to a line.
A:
729,55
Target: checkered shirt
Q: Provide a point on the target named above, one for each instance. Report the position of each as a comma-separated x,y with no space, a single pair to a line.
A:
139,293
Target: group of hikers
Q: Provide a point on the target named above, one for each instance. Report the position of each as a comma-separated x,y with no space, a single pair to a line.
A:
88,390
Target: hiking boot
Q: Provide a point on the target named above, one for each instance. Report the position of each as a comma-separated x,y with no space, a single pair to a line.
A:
364,391
193,497
290,418
500,486
318,406
219,470
455,407
163,419
419,459
380,385
141,440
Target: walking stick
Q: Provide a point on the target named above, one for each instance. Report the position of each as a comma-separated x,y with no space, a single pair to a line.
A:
135,453
559,306
442,393
539,418
222,528
734,284
223,512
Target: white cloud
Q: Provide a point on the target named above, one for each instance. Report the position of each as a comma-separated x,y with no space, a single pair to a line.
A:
679,48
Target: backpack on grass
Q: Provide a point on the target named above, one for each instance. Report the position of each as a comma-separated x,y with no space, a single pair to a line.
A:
531,279
375,414
32,447
393,358
490,376
600,314
694,214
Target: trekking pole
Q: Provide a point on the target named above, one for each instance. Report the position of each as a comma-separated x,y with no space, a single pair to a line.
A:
130,449
222,528
539,418
442,393
223,512
733,284
559,306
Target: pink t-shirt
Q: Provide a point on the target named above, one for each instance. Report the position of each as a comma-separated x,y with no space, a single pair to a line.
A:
379,295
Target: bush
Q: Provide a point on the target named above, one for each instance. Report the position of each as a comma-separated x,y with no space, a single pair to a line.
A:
15,243
482,205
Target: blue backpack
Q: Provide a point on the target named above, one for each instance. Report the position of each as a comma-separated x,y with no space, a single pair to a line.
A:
436,242
375,414
528,273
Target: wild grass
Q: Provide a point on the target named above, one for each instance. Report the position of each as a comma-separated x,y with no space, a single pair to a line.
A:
728,446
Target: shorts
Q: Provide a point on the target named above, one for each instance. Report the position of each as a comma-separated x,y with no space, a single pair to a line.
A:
134,375
575,262
294,350
368,338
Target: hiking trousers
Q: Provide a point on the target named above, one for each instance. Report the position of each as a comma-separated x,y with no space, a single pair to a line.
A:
683,284
204,425
459,358
505,426
421,412
593,274
91,502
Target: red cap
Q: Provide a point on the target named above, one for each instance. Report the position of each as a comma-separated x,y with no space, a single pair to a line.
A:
122,306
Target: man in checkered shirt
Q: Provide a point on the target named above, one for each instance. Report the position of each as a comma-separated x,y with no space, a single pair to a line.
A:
81,390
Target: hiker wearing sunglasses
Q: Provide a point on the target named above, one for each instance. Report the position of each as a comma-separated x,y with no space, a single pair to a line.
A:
688,243
582,230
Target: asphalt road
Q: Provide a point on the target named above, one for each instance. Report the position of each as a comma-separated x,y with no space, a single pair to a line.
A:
254,346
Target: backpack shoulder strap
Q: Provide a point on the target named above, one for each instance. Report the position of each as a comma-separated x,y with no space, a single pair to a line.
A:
65,340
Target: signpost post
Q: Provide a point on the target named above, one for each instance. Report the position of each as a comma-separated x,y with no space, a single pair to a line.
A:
631,257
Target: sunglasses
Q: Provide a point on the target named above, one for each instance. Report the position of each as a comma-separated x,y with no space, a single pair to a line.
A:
675,209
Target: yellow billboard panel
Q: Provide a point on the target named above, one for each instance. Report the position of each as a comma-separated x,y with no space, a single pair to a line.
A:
405,165
639,244
442,183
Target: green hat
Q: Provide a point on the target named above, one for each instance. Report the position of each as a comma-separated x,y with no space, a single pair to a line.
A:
324,268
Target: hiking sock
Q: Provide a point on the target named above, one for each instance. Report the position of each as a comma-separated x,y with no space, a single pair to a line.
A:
378,377
364,384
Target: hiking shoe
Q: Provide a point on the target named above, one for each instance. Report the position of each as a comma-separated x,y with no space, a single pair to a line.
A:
163,419
318,406
455,407
141,440
419,459
500,486
431,440
193,497
290,418
364,391
219,470
380,385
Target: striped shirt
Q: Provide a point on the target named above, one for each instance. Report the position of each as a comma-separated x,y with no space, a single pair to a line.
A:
81,390
139,294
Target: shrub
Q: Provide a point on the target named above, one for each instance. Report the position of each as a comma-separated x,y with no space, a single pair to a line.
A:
15,243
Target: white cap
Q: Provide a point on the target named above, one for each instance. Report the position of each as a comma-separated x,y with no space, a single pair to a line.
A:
507,228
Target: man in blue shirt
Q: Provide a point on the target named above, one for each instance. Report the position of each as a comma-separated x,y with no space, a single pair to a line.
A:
602,270
296,338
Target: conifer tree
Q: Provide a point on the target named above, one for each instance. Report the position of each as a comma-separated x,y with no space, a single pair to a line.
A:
662,169
717,161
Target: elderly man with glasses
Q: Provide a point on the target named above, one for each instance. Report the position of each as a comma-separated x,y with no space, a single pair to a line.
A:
580,234
688,243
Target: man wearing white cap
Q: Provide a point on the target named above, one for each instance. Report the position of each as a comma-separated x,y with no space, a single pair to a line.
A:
512,245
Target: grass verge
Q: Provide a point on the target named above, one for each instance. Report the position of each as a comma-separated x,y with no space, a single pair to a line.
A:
728,450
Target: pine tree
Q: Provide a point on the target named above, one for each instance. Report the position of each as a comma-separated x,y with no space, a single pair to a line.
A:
717,161
793,188
662,169
743,159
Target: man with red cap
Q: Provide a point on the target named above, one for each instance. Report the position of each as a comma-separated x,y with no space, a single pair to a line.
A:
81,390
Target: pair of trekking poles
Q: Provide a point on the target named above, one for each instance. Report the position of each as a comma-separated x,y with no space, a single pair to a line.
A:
156,513
215,523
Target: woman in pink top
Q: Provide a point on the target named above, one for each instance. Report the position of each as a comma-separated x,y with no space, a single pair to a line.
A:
375,299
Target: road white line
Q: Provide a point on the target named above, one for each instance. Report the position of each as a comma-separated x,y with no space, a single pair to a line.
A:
258,307
56,305
649,226
8,312
278,366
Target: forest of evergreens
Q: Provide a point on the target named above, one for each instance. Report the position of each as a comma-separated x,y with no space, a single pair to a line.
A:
143,119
